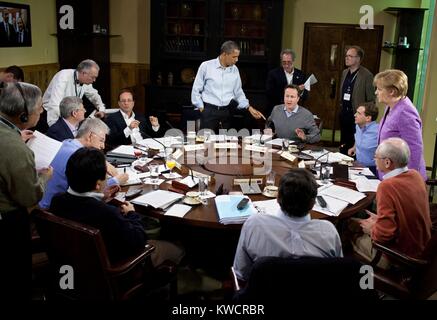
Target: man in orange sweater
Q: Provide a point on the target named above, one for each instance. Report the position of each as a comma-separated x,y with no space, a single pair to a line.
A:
402,219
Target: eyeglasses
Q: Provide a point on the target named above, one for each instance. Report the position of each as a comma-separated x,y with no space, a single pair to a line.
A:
91,76
350,56
124,101
380,158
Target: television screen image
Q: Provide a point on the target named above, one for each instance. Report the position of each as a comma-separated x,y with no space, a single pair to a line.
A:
15,28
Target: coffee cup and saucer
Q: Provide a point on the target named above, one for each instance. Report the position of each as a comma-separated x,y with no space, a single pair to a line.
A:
271,191
192,198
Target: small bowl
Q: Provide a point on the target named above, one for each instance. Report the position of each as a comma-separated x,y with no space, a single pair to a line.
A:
271,191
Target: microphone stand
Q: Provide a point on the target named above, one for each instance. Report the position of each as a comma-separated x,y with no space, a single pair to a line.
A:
321,164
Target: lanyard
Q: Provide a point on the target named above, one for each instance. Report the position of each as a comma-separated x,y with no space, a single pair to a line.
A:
76,82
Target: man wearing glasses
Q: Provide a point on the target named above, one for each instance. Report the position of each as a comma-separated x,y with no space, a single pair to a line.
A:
92,133
70,82
282,76
72,114
356,87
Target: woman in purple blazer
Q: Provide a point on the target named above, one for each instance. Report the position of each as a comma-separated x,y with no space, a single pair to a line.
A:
401,118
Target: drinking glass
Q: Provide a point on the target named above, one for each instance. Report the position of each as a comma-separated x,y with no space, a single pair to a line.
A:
170,163
203,189
270,178
154,173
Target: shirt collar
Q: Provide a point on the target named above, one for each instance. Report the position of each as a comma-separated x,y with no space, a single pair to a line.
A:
125,115
9,124
289,113
303,219
95,195
395,172
70,126
218,65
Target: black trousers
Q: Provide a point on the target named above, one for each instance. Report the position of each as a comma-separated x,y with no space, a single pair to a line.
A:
16,256
347,130
215,118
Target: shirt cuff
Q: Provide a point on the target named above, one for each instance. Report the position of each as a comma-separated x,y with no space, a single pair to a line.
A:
102,107
127,132
113,181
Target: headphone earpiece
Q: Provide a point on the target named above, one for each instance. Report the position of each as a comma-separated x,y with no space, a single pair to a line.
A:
24,117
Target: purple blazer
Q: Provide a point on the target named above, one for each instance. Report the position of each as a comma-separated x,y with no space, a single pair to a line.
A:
403,121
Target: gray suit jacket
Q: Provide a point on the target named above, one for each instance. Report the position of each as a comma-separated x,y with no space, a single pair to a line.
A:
363,91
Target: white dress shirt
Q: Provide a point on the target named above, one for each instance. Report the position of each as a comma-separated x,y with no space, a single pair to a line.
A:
135,134
63,85
289,76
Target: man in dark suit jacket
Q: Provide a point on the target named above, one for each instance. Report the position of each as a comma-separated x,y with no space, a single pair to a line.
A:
121,227
7,31
23,36
280,77
72,114
126,127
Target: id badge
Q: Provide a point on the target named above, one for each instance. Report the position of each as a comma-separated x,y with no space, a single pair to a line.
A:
347,97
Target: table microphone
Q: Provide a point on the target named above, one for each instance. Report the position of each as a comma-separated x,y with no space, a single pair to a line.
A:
321,164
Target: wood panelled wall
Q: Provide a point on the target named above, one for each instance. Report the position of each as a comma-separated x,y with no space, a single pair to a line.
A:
39,74
123,75
132,76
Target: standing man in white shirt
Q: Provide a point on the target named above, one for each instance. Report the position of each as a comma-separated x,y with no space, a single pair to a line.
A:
70,82
217,88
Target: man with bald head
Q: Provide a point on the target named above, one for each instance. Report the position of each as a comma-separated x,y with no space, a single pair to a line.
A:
402,219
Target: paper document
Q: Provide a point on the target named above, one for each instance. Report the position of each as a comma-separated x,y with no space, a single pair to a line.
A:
178,210
189,181
227,209
342,193
278,142
267,206
44,148
123,150
333,206
367,185
310,81
158,199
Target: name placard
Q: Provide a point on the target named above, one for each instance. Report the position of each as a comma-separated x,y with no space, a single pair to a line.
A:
226,145
287,155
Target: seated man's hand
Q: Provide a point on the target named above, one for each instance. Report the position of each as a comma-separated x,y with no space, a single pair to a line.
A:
351,152
99,114
301,134
127,207
134,124
45,173
154,121
26,135
122,178
110,191
255,113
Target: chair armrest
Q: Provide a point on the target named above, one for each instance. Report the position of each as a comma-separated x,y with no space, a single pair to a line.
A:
399,256
127,265
235,283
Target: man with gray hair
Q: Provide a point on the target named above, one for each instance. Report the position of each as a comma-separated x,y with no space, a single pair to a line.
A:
72,114
402,219
217,89
70,82
282,76
92,133
20,188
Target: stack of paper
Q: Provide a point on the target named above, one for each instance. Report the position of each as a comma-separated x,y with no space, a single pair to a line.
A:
228,212
333,206
178,210
278,142
267,206
367,185
44,148
159,199
123,151
256,138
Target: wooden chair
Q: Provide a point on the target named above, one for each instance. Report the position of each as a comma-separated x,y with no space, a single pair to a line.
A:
280,280
82,247
411,278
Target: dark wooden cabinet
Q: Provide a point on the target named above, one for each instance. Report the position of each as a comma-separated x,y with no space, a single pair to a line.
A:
406,47
185,33
86,40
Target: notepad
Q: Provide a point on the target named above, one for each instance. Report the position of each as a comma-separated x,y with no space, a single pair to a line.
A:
158,199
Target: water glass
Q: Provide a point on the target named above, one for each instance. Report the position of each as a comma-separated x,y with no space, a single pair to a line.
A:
270,178
285,144
203,189
154,173
325,174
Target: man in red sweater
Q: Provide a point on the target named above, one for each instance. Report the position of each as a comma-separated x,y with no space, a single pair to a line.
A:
402,219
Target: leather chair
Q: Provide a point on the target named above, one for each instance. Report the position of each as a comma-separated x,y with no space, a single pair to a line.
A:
432,206
279,280
410,278
82,247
